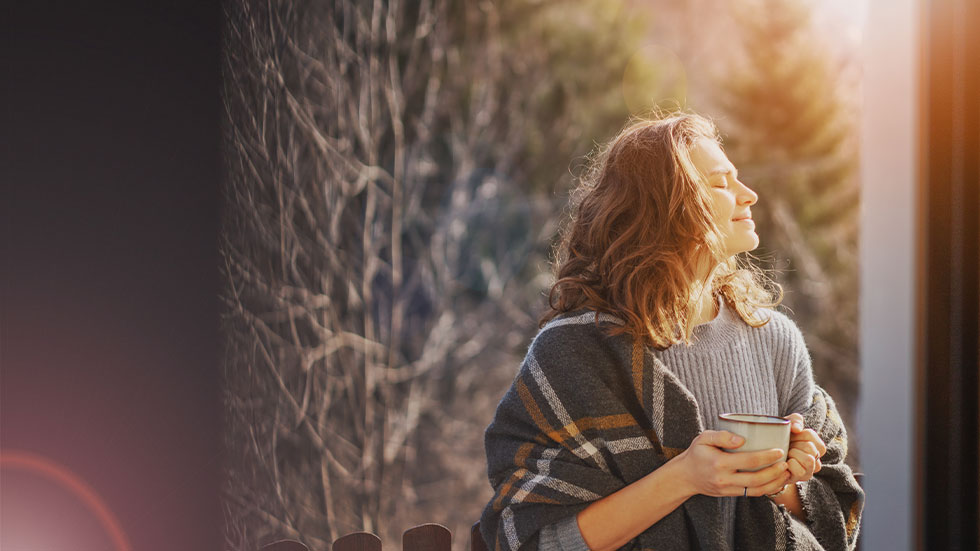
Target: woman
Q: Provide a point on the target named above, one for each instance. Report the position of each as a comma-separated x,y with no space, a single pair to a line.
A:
607,437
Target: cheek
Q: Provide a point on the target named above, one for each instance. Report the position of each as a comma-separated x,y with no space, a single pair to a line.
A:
723,205
724,210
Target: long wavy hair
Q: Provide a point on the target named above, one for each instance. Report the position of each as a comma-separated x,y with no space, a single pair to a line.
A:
640,225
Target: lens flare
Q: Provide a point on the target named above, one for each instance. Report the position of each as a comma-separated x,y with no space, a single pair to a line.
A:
43,467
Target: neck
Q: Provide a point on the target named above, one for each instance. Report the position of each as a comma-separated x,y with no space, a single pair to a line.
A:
703,305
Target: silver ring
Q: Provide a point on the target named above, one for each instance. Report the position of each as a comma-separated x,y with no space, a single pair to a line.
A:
746,492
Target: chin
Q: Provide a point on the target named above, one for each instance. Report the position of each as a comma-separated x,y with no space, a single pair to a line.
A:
747,248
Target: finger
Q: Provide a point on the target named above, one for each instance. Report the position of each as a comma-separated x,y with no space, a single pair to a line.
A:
808,462
720,439
796,468
767,476
806,447
819,466
805,435
751,461
810,435
771,487
821,445
796,422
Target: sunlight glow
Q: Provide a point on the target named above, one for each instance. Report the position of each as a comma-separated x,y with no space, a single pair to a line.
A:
38,465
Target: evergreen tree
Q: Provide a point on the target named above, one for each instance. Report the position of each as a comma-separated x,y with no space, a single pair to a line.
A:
791,132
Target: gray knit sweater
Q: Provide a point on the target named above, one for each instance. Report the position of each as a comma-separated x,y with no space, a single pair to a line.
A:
730,367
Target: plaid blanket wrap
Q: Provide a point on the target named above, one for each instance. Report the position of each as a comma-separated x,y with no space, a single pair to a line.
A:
588,414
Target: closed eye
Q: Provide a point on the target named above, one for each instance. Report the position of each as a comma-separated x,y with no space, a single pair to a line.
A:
721,175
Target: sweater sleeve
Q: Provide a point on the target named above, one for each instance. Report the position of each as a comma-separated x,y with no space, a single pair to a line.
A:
832,500
801,392
794,369
563,535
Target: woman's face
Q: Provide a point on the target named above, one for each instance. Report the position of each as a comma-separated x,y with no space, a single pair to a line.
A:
730,199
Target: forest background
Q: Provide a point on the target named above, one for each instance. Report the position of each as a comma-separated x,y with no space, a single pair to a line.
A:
395,176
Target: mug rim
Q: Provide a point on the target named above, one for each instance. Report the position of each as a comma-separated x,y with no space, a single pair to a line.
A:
775,420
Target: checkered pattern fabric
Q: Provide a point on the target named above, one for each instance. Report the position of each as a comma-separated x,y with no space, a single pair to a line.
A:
589,414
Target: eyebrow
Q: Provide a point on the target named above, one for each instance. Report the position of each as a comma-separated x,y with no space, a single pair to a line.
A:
724,170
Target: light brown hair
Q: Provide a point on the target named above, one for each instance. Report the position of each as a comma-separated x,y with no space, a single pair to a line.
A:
640,224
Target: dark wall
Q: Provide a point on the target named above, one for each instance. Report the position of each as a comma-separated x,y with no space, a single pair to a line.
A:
108,298
949,276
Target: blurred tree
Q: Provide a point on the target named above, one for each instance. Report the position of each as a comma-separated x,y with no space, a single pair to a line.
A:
791,130
389,178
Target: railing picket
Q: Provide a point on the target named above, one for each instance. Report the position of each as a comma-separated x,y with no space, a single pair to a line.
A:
358,541
427,537
284,545
476,539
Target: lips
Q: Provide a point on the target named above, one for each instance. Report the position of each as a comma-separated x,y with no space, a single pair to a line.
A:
742,218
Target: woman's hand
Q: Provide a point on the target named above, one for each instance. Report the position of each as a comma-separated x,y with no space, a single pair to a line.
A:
805,450
710,471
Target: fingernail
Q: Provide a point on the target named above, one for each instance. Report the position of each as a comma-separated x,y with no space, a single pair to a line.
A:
736,439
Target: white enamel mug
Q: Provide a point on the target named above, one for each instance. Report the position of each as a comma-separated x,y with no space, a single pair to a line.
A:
761,432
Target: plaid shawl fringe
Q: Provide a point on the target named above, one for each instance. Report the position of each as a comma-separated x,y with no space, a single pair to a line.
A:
553,449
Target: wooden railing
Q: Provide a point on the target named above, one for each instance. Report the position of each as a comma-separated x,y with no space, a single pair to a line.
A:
427,537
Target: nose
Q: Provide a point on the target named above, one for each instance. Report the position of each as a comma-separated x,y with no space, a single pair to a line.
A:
747,196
